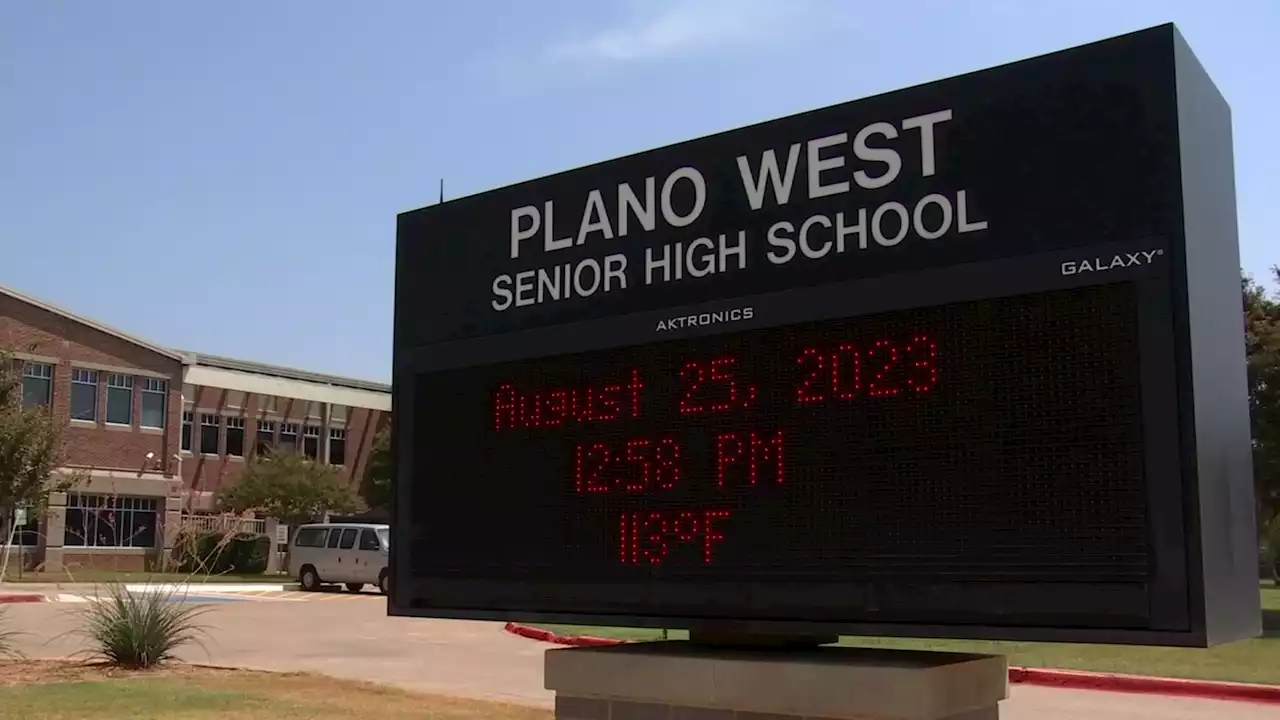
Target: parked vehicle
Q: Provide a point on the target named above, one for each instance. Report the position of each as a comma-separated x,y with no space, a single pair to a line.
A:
350,554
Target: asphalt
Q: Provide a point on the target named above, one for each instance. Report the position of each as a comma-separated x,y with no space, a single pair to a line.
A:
357,640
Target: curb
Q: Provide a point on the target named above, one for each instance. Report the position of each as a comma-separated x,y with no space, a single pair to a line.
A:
23,598
534,633
1066,679
199,588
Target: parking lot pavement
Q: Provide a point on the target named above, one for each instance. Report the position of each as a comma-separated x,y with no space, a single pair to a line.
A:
356,640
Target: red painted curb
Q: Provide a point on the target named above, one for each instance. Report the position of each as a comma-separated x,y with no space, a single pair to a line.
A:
547,636
21,598
1210,690
1069,679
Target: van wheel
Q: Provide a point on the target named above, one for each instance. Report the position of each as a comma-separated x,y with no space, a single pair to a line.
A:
384,582
355,587
308,579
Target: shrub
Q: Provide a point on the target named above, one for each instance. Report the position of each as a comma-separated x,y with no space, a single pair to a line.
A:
213,552
139,629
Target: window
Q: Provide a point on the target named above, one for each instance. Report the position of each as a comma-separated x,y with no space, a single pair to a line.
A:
314,410
109,521
234,399
311,442
26,534
337,413
333,539
384,534
119,399
266,436
310,537
348,539
208,434
84,394
369,540
289,437
37,384
337,446
188,420
155,395
235,436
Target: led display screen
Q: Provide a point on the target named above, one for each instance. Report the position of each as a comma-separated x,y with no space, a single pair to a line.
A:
994,440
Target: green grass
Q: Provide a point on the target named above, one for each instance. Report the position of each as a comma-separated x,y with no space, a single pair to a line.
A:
1271,599
107,576
236,695
1251,661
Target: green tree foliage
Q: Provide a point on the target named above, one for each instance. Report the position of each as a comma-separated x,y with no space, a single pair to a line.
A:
31,447
375,486
288,487
1262,342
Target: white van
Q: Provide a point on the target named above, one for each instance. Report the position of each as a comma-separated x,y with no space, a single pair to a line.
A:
351,554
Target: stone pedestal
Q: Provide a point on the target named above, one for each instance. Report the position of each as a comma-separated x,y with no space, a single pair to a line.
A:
684,681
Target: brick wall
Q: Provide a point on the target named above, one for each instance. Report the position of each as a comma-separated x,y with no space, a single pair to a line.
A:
208,473
31,330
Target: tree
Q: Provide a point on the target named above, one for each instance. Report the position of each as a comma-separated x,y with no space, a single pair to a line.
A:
375,486
288,487
31,450
1262,345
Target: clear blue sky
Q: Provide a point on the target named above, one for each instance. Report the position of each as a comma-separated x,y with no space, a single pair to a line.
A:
224,177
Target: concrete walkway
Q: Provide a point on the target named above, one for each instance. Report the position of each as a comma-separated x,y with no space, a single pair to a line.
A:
356,640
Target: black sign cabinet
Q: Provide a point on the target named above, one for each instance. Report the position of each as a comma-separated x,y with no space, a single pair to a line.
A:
961,360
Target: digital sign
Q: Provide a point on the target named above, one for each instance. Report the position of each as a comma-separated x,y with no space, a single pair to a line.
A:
960,360
1013,426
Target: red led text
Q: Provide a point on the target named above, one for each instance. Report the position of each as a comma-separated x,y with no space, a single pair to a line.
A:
710,386
637,466
546,408
647,536
749,456
877,369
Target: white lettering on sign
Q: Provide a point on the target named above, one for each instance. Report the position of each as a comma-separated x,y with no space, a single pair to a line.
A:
856,160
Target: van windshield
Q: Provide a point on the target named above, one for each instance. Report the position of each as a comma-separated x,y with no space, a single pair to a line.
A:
384,535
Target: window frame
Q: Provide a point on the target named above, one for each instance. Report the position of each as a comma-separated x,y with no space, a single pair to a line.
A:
338,435
217,432
79,379
187,437
229,423
347,539
120,506
40,372
267,427
119,381
291,429
152,387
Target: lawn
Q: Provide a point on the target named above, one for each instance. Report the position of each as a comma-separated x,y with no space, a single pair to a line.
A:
1251,661
58,691
110,576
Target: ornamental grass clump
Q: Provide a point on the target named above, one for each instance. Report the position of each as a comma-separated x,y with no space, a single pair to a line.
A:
140,629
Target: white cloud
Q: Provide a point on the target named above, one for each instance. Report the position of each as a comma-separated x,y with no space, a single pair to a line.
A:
667,28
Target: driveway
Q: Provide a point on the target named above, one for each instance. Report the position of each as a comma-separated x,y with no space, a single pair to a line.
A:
357,640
